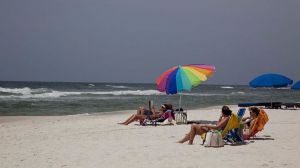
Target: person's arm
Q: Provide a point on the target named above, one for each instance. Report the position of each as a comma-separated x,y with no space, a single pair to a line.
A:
153,110
221,124
246,118
251,126
251,132
158,114
220,119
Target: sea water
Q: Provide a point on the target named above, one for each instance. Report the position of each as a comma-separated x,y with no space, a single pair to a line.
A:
60,98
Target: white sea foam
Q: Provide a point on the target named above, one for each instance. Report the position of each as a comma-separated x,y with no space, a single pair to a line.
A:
117,87
237,93
128,92
227,87
47,93
204,94
213,94
23,91
284,88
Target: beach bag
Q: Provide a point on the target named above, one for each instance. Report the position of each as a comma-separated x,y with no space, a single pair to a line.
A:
181,117
213,139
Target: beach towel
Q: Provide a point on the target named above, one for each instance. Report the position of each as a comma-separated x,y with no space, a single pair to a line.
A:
169,114
259,123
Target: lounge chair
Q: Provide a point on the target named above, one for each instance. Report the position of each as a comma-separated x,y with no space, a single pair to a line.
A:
160,121
270,105
291,105
297,105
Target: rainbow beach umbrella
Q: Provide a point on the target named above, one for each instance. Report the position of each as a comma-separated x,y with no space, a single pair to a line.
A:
183,78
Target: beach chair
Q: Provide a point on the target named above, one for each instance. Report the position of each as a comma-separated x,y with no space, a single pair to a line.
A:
233,122
160,121
259,123
297,105
291,105
248,104
235,135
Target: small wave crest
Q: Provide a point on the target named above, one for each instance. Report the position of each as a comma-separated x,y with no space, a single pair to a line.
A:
117,87
227,87
204,94
214,94
91,85
237,93
129,92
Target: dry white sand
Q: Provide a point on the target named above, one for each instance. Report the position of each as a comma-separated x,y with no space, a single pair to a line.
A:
97,141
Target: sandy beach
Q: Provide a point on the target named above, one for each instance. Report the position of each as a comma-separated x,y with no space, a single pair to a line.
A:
98,141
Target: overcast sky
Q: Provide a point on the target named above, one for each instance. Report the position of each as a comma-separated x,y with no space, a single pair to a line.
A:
136,40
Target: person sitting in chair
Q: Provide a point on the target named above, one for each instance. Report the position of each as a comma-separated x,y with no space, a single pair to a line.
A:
201,129
255,123
143,114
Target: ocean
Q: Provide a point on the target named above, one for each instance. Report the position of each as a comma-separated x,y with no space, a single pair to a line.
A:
69,98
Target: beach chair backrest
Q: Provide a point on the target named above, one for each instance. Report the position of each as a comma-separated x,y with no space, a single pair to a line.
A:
233,132
233,122
241,113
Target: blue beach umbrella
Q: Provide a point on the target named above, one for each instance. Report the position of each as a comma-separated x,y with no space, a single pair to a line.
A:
271,80
296,86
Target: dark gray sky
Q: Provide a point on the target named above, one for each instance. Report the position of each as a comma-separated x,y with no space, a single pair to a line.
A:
136,40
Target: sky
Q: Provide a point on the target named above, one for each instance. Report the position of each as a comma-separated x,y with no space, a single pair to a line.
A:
135,41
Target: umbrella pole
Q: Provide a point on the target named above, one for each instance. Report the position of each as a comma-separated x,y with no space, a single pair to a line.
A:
179,106
272,92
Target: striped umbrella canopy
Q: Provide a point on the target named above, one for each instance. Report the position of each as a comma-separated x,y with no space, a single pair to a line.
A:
183,78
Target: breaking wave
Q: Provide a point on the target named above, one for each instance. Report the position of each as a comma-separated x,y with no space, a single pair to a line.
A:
214,94
48,93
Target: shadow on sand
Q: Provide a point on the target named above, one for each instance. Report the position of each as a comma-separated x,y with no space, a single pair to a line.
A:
262,138
201,122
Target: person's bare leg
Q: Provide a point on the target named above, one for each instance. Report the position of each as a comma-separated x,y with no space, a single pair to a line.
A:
140,111
134,118
186,138
130,118
195,130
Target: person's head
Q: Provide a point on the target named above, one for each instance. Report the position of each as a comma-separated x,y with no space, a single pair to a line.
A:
169,106
226,111
254,111
165,107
